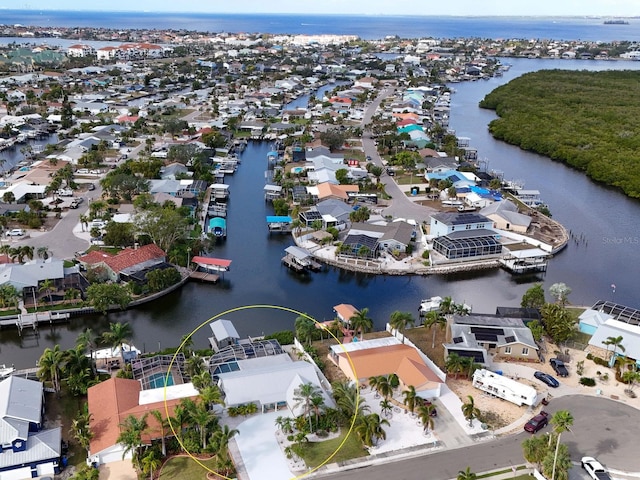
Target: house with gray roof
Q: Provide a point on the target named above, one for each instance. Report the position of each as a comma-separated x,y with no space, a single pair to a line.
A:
486,337
28,275
224,334
396,237
26,451
505,216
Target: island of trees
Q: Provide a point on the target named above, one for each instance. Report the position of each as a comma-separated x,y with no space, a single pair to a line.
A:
588,120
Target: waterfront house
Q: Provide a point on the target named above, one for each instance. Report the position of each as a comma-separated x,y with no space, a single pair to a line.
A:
112,401
128,264
396,237
483,337
326,191
361,360
344,312
505,216
445,223
26,450
271,383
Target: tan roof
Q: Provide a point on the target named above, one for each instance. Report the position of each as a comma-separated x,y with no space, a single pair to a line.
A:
403,360
327,189
345,311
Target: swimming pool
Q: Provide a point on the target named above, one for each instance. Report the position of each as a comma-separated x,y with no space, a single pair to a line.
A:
25,169
297,170
157,380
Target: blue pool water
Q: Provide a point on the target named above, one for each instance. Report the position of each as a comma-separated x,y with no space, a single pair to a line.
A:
297,170
157,380
25,169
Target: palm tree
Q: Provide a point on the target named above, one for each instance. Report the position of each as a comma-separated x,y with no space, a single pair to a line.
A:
163,425
466,475
50,364
562,421
25,251
305,327
302,396
151,462
221,439
131,430
454,363
317,405
202,380
88,340
382,385
118,334
617,344
47,286
348,399
386,407
211,394
285,424
360,322
81,430
468,366
42,252
195,365
469,410
410,398
425,413
369,429
432,320
400,321
203,418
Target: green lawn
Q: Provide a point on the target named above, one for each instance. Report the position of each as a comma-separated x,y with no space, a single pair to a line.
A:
185,467
316,453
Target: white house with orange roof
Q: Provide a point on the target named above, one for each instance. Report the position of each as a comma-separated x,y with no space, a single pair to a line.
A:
107,53
361,360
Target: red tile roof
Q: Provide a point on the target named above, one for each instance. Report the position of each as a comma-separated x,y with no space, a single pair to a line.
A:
125,259
129,257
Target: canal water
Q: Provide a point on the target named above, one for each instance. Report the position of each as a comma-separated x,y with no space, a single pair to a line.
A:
604,221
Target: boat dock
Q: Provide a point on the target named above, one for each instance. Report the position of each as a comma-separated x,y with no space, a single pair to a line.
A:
525,261
205,276
300,260
31,320
279,224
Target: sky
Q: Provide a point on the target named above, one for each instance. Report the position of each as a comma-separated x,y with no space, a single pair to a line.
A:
366,7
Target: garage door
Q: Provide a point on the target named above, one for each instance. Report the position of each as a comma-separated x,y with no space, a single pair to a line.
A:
17,474
45,469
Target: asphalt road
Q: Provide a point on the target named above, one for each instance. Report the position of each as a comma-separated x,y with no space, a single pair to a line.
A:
402,206
602,428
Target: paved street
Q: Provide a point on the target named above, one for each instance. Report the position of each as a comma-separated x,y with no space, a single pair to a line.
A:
602,428
402,205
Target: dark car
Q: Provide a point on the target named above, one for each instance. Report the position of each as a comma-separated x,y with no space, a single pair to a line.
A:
91,186
548,379
434,412
559,367
537,423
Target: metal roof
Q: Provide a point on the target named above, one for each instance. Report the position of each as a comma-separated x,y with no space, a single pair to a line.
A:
223,329
44,445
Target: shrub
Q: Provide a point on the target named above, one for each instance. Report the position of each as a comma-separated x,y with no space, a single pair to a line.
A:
589,356
284,337
587,381
425,254
600,361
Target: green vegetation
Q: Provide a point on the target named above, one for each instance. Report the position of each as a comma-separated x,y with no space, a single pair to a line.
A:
186,467
577,117
315,453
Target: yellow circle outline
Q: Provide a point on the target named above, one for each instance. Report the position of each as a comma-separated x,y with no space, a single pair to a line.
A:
248,307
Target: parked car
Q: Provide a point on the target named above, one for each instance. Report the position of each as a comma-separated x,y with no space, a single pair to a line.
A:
537,423
98,224
559,367
16,232
595,469
546,378
76,202
434,412
91,186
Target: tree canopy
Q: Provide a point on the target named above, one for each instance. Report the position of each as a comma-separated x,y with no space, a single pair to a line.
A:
577,117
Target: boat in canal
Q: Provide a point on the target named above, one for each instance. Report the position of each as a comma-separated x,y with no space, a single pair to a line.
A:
218,226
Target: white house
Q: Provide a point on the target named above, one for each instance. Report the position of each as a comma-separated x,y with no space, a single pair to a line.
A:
80,50
449,222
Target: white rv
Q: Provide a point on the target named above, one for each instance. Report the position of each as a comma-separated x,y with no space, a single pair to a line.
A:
504,387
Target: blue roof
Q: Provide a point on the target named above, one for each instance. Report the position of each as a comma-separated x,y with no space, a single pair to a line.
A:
278,219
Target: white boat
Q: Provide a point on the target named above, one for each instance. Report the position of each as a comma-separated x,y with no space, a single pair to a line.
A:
429,305
6,371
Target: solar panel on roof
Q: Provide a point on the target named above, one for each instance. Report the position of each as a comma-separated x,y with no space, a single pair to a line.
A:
477,356
486,337
489,331
510,339
458,340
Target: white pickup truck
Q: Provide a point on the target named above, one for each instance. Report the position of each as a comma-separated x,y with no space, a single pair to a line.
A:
595,469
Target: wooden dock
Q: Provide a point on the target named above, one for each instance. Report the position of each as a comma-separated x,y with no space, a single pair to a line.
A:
205,277
289,261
